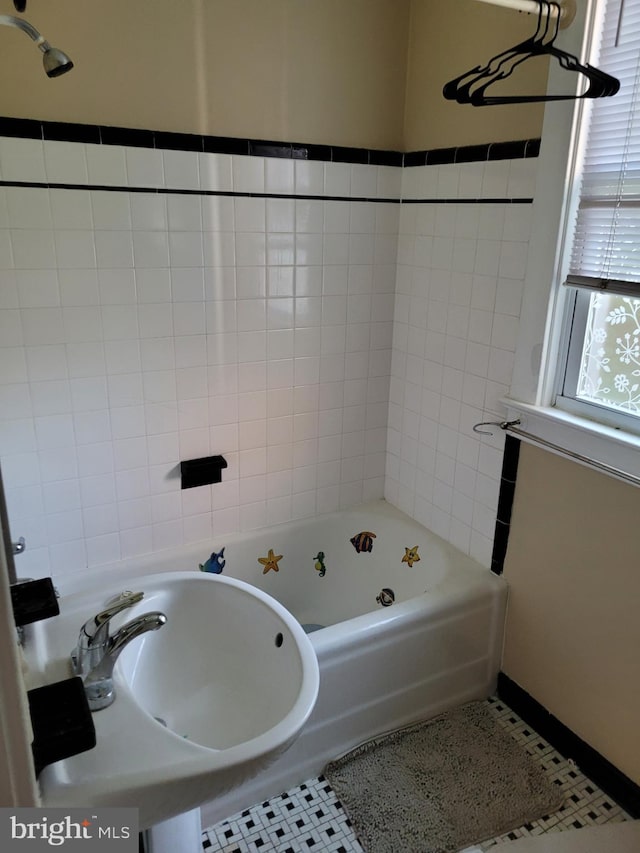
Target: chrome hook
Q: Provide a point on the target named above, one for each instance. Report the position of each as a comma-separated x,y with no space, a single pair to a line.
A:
501,424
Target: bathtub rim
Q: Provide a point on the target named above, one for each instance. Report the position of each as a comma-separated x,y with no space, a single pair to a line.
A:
185,558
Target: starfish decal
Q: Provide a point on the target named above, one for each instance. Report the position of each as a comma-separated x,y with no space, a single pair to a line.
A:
411,556
270,562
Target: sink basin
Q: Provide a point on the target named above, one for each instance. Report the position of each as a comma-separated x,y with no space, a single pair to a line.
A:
201,705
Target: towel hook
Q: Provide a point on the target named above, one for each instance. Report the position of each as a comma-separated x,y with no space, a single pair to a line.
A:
501,424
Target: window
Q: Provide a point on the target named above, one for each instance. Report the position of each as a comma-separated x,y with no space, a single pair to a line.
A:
603,364
601,375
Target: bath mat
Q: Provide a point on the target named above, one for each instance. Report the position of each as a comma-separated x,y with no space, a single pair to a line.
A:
440,785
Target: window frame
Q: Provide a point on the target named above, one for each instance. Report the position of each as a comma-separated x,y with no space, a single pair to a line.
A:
580,288
541,346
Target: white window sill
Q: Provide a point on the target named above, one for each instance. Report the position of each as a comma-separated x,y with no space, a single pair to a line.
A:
573,436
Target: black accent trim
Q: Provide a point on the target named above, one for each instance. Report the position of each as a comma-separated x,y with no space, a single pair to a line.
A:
128,136
177,141
172,191
262,148
516,149
23,127
505,503
415,158
143,138
472,154
160,139
318,152
385,158
342,154
234,193
624,791
500,543
467,201
441,156
511,458
65,132
225,145
508,150
533,148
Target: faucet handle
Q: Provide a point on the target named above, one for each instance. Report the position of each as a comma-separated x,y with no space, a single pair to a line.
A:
96,629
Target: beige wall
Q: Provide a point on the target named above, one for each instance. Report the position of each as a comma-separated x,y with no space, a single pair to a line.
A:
326,71
447,38
573,630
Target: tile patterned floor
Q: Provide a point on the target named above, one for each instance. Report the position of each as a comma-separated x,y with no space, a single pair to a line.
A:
309,818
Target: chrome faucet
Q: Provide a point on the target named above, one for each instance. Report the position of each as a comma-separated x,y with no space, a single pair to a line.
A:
97,651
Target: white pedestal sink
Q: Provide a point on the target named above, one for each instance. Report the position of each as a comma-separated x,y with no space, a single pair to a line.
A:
202,704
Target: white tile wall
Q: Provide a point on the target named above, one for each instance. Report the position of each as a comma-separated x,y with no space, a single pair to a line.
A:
139,329
459,285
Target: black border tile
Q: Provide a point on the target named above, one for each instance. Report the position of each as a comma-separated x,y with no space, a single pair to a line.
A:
414,158
472,153
613,782
500,542
264,148
318,152
160,139
343,154
177,141
508,477
129,136
508,150
510,458
22,127
225,145
385,158
441,156
505,500
533,148
62,131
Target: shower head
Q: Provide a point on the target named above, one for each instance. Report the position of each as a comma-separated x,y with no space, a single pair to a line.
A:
55,61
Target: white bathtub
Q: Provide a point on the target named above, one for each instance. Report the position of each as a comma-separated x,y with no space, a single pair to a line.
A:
438,645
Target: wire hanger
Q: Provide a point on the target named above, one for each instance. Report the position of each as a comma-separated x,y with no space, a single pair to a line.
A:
470,87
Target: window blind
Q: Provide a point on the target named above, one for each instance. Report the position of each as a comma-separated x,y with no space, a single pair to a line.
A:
606,247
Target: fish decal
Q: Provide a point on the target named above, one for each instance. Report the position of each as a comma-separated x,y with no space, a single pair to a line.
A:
319,564
363,541
270,562
411,556
214,564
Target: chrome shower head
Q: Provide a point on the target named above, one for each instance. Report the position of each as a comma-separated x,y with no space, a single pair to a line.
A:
55,61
